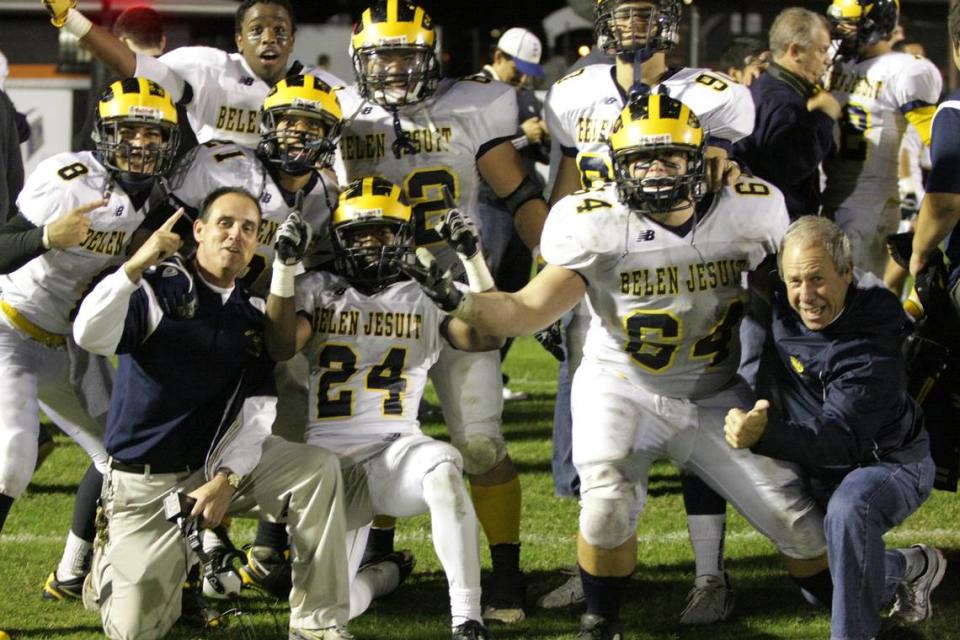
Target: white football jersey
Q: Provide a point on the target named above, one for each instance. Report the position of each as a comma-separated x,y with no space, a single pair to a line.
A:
874,94
374,354
224,95
664,310
450,131
48,289
212,165
582,106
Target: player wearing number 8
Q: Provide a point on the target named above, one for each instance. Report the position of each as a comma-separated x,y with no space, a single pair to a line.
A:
664,269
77,213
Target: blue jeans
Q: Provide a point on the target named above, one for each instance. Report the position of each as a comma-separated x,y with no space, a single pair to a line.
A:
867,503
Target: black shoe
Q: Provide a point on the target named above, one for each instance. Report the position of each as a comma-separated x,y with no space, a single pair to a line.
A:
594,627
470,630
505,597
268,570
60,590
195,613
404,559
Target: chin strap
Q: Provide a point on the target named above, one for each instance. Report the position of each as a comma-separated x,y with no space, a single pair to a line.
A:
639,88
402,143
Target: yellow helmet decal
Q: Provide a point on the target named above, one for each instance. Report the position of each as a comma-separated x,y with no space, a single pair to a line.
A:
137,99
306,93
394,23
656,121
371,198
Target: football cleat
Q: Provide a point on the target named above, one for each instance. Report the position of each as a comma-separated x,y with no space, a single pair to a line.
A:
470,630
195,613
594,627
913,598
568,594
710,600
268,570
509,395
506,598
330,633
404,559
58,590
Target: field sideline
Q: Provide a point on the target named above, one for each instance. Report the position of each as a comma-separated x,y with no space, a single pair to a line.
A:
768,604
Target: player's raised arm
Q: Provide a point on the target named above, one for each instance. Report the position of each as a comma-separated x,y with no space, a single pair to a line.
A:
110,50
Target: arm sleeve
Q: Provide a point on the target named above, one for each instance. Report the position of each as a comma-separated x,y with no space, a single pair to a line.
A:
561,242
243,452
116,315
158,71
861,397
733,117
944,150
917,91
20,242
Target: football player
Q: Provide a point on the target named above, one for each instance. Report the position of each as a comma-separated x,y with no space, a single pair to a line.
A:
436,137
378,335
77,213
580,109
880,91
663,265
222,91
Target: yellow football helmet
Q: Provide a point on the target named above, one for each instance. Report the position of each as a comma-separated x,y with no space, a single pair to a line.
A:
300,124
657,128
372,230
858,23
394,51
126,105
631,27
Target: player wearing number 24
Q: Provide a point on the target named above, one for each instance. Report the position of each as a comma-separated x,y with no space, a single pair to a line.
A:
664,268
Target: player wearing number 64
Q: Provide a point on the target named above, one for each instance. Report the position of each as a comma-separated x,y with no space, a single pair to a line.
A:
664,265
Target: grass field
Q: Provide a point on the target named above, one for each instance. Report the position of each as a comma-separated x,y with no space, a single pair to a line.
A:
768,603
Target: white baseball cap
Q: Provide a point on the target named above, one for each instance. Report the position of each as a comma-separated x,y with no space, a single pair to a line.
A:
524,48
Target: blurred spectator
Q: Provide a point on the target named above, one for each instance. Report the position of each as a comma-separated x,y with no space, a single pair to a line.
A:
793,131
11,135
742,54
323,62
140,28
515,59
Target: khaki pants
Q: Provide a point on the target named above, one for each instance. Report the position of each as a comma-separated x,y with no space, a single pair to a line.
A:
138,571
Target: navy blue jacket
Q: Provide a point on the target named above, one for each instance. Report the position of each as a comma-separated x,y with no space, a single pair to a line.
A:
788,142
839,395
172,396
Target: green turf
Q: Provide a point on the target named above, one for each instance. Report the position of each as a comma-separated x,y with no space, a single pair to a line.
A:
768,604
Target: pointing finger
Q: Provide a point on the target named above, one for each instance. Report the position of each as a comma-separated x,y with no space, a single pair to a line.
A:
172,220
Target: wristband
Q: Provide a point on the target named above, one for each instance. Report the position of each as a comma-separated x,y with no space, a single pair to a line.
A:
478,275
282,279
76,24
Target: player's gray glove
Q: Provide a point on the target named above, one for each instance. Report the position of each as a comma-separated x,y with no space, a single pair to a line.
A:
293,238
460,232
174,288
551,339
435,282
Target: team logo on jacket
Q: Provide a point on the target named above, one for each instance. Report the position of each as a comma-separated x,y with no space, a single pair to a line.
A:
796,364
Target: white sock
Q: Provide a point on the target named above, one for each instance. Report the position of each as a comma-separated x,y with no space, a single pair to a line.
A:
455,538
464,605
371,583
211,541
706,536
76,554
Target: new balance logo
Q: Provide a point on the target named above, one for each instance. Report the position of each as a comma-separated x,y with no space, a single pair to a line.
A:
646,236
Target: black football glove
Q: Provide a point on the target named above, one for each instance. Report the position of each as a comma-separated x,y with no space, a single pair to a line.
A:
175,290
460,232
293,238
435,282
551,339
